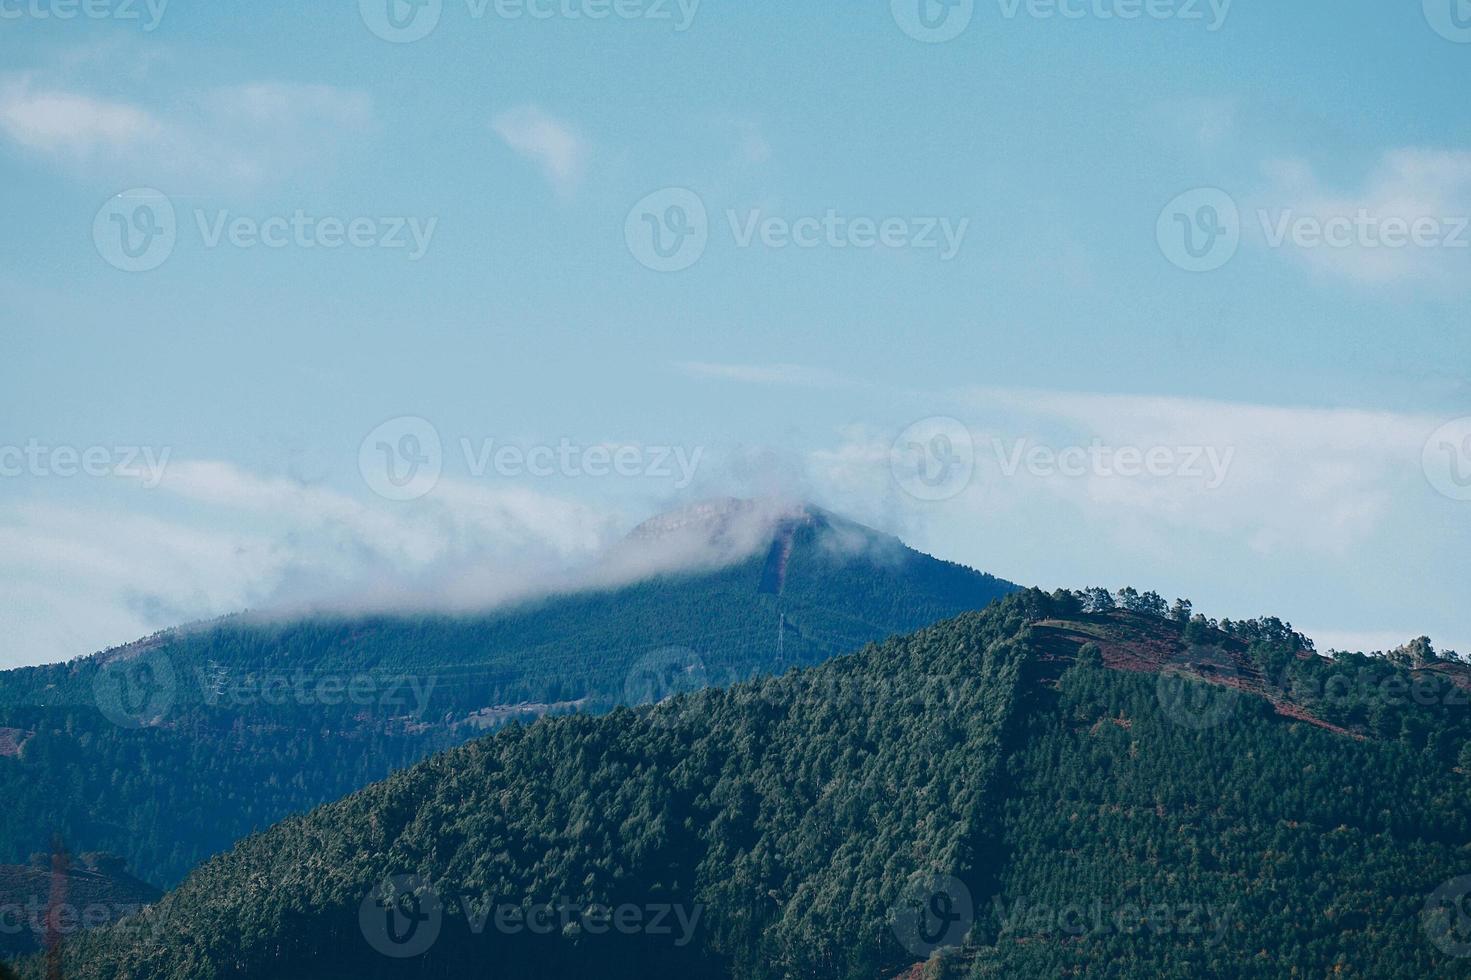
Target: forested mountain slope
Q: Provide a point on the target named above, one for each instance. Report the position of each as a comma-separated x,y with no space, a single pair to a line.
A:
171,749
94,887
1035,790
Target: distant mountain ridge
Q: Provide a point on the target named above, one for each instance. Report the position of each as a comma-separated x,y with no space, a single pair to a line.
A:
170,749
1043,788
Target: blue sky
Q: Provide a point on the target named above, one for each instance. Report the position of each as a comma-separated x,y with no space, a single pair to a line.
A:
793,350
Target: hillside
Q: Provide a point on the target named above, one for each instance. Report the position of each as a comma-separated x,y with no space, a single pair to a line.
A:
87,891
171,749
1034,790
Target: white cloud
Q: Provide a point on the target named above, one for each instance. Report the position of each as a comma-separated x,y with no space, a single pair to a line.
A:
1406,187
244,133
1322,515
1283,480
295,106
1296,478
459,524
550,143
215,539
80,578
69,124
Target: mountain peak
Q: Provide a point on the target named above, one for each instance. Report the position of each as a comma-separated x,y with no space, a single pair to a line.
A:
719,516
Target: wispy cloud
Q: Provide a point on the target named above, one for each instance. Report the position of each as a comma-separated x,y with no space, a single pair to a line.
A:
1408,189
69,124
764,374
79,578
1281,480
249,132
1298,478
292,106
550,143
1321,514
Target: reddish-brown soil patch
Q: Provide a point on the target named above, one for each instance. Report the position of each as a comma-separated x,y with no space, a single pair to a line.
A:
11,739
1150,645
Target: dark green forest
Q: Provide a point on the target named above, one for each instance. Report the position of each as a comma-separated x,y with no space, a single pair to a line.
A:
1056,786
170,750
